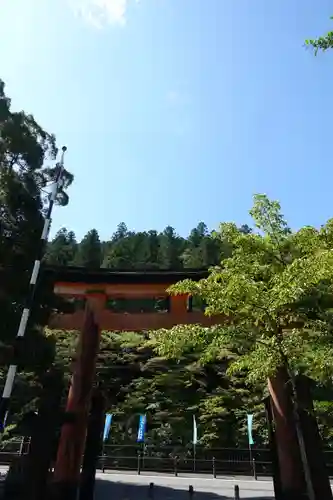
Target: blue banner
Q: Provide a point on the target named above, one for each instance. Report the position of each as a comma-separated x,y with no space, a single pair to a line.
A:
142,429
107,426
249,428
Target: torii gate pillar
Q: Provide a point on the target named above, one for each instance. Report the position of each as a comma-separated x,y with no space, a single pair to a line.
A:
73,434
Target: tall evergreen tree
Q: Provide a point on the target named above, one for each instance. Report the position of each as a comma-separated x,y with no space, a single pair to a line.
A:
170,249
62,250
202,250
90,251
120,233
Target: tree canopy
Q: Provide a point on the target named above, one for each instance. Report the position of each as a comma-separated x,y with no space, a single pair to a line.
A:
322,42
275,291
142,250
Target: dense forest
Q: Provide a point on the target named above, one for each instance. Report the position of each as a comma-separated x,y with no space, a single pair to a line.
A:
134,378
129,250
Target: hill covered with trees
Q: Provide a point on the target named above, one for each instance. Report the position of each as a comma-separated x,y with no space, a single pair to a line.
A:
134,378
142,250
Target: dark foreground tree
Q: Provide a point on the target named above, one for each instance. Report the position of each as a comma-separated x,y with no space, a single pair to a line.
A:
25,178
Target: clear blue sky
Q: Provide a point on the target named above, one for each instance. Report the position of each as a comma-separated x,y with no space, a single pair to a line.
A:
177,111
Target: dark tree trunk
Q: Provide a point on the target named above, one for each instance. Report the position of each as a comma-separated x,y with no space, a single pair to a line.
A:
291,471
313,443
273,450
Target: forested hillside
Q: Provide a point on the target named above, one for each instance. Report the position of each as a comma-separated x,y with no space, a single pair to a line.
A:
134,379
171,389
130,250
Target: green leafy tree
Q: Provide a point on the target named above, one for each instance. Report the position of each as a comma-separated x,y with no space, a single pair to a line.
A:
321,43
275,292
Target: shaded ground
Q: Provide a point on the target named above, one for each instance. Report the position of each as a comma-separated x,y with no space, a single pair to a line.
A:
130,487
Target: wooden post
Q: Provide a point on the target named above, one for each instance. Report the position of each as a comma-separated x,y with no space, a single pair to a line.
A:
93,446
73,435
151,490
236,492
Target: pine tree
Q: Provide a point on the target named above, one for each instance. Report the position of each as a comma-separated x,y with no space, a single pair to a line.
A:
202,249
170,248
62,249
90,251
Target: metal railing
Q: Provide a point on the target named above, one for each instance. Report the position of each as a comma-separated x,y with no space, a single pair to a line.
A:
216,462
11,449
179,466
